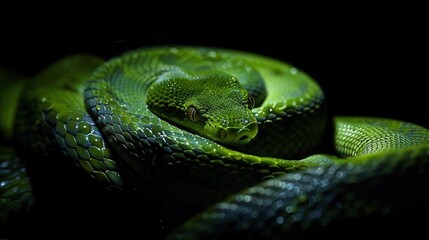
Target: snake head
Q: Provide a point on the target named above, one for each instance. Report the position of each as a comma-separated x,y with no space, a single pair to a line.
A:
213,105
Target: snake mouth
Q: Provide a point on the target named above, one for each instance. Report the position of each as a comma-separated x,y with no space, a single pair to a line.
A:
238,136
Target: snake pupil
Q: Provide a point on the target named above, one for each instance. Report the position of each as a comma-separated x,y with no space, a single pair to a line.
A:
251,102
192,114
222,134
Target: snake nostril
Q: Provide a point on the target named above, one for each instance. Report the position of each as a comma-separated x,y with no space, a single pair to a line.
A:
244,137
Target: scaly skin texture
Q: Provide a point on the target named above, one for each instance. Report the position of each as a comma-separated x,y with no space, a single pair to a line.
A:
183,120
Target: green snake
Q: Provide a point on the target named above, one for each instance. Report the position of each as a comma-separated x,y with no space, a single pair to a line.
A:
236,131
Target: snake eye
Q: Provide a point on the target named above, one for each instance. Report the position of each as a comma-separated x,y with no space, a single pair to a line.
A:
250,102
192,114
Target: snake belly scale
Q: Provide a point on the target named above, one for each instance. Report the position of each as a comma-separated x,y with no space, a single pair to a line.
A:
201,124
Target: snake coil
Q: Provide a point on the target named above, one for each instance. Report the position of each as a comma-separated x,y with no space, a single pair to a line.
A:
206,125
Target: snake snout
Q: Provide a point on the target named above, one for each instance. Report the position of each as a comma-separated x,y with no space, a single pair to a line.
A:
238,136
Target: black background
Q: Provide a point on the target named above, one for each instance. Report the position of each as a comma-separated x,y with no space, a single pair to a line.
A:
369,66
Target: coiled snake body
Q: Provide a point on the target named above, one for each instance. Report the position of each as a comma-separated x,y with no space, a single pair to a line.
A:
201,124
